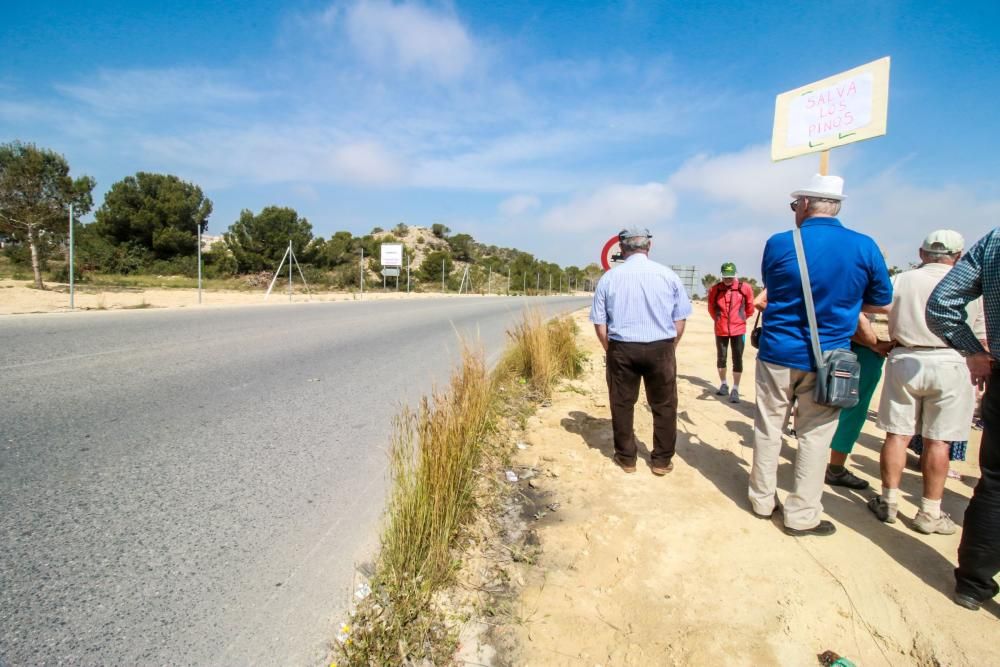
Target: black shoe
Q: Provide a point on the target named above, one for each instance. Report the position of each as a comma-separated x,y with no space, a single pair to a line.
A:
822,528
846,478
620,462
767,517
967,601
776,510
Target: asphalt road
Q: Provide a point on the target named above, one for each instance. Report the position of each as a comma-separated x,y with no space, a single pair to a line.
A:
198,487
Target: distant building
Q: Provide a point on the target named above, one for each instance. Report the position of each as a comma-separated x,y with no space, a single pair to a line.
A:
207,240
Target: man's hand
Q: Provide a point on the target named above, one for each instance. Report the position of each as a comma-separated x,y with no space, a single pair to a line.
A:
884,347
864,334
679,325
980,368
760,303
602,335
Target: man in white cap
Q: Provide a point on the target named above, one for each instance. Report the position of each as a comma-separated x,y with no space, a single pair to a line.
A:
926,389
639,311
848,276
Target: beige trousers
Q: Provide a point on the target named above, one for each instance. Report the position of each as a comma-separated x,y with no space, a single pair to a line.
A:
815,425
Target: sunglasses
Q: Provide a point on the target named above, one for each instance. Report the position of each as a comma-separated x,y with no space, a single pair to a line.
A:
794,205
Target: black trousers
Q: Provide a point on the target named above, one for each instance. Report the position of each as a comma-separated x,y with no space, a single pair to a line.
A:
722,343
979,551
653,364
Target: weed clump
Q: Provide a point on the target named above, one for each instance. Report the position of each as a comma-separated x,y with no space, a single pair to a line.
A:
542,352
442,456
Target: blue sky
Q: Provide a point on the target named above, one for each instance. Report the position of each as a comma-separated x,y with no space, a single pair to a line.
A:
543,126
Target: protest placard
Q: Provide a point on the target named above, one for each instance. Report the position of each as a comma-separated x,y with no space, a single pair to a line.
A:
841,109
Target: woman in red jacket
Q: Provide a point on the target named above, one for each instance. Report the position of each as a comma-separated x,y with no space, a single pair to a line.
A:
730,303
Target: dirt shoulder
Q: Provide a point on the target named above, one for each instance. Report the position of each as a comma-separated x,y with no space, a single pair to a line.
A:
17,297
640,570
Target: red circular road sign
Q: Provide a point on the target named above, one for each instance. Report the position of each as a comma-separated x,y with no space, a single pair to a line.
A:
612,253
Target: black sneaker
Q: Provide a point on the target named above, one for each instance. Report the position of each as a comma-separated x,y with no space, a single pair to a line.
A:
846,478
768,517
822,528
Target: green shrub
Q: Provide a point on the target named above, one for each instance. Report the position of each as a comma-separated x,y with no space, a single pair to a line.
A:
178,266
219,262
20,254
60,274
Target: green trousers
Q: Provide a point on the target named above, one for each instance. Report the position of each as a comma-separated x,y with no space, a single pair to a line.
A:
852,420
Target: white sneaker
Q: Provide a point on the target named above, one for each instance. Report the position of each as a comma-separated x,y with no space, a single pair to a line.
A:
928,525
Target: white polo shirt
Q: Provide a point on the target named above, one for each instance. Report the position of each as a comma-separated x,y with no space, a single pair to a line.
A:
910,292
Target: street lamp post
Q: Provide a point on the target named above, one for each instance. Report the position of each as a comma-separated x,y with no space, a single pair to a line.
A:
71,282
199,263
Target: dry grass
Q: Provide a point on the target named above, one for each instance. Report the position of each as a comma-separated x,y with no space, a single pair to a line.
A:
541,352
434,481
445,458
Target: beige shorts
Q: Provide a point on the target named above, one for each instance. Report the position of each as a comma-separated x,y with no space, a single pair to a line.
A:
927,392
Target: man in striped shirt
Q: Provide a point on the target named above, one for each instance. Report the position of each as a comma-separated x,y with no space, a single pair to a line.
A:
639,312
976,274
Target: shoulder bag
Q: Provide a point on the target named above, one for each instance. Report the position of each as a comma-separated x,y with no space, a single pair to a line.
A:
756,331
838,372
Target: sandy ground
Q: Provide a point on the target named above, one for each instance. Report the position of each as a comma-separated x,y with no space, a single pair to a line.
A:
16,297
640,570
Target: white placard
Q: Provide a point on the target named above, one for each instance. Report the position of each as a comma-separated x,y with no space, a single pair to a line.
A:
840,109
835,111
392,254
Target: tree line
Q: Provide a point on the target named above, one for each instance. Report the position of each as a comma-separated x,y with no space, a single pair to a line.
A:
149,224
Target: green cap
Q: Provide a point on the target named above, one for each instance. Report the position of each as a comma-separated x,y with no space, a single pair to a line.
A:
728,270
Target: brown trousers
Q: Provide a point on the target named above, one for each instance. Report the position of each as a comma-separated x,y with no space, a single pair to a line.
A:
654,364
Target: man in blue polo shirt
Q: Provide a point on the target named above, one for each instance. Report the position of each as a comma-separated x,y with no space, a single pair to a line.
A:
848,275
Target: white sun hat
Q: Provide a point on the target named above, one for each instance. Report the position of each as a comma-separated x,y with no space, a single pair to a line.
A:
823,187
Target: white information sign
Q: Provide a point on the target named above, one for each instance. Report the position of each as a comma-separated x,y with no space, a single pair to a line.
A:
392,254
841,109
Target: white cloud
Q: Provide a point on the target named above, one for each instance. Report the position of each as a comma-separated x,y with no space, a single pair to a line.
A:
898,214
144,90
410,37
518,205
732,203
747,179
305,191
365,163
265,154
615,206
17,112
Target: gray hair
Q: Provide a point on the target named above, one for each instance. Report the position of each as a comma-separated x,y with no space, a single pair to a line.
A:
936,257
635,243
823,206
